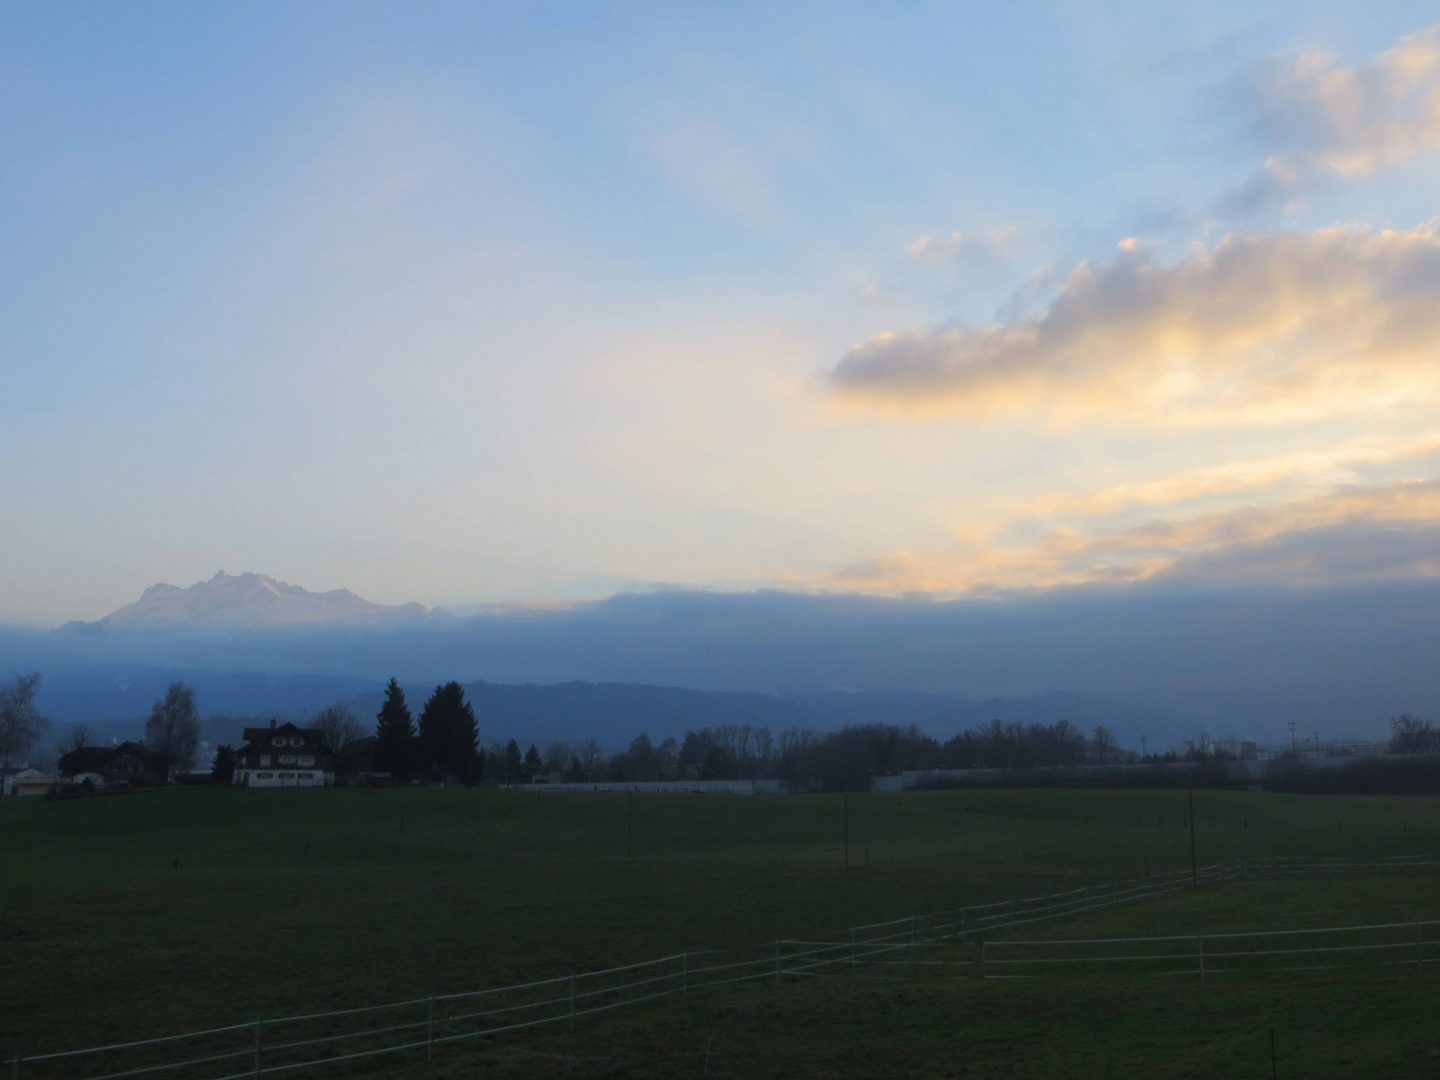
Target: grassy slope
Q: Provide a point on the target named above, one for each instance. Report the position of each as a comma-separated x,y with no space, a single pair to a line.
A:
103,938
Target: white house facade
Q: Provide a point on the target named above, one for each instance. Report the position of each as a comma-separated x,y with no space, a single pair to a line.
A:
284,756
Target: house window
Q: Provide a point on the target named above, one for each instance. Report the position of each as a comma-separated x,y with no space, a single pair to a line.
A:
264,759
307,776
263,775
279,742
287,759
287,776
307,760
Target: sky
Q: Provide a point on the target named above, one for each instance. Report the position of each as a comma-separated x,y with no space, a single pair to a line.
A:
470,304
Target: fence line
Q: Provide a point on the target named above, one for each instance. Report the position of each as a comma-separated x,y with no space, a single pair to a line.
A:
971,926
1374,941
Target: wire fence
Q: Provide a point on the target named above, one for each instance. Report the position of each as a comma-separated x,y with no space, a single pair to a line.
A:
1202,955
294,1044
1308,865
1206,955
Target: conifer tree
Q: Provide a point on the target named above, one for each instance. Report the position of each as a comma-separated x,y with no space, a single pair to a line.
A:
395,735
449,736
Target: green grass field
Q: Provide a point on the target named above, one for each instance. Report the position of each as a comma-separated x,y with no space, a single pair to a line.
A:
289,901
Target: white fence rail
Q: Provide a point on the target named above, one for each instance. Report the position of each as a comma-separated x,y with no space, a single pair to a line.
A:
293,1044
1202,955
1209,955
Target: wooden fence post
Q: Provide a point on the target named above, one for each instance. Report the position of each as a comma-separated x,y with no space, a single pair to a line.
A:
430,1030
572,1001
1419,954
685,978
1200,947
258,1025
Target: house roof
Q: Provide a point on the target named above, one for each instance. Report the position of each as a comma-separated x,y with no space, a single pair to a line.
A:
95,758
256,734
86,759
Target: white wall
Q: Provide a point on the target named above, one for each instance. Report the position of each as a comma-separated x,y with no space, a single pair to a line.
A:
281,778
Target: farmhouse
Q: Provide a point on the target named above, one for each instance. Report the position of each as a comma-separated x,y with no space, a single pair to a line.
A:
284,756
132,762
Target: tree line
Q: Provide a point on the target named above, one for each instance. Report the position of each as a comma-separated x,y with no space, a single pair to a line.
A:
445,745
806,760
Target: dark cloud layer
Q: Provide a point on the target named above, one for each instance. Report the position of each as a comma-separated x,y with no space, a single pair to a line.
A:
1244,661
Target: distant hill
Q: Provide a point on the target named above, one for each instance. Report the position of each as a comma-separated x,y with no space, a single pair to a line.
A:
118,698
613,713
116,701
247,600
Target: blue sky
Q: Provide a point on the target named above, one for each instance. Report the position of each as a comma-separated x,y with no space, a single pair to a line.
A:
467,303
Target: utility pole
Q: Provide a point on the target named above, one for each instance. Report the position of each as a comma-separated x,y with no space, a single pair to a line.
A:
1293,748
1142,747
1194,875
845,811
1317,744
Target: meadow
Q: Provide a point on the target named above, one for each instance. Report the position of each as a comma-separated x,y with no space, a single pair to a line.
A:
163,912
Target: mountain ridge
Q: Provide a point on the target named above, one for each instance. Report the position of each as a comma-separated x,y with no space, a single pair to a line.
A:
245,601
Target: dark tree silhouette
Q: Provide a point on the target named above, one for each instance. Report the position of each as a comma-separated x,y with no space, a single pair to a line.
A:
511,769
339,726
1104,743
395,735
78,737
174,725
1411,735
20,724
449,736
533,765
223,770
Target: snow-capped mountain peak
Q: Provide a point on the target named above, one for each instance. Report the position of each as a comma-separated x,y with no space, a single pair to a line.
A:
241,600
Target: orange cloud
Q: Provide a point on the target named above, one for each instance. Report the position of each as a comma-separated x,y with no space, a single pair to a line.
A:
1329,467
1259,329
1390,532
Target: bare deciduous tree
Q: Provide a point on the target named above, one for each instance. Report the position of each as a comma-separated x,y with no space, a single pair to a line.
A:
21,724
1104,740
174,725
77,738
557,756
338,726
1411,735
589,754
